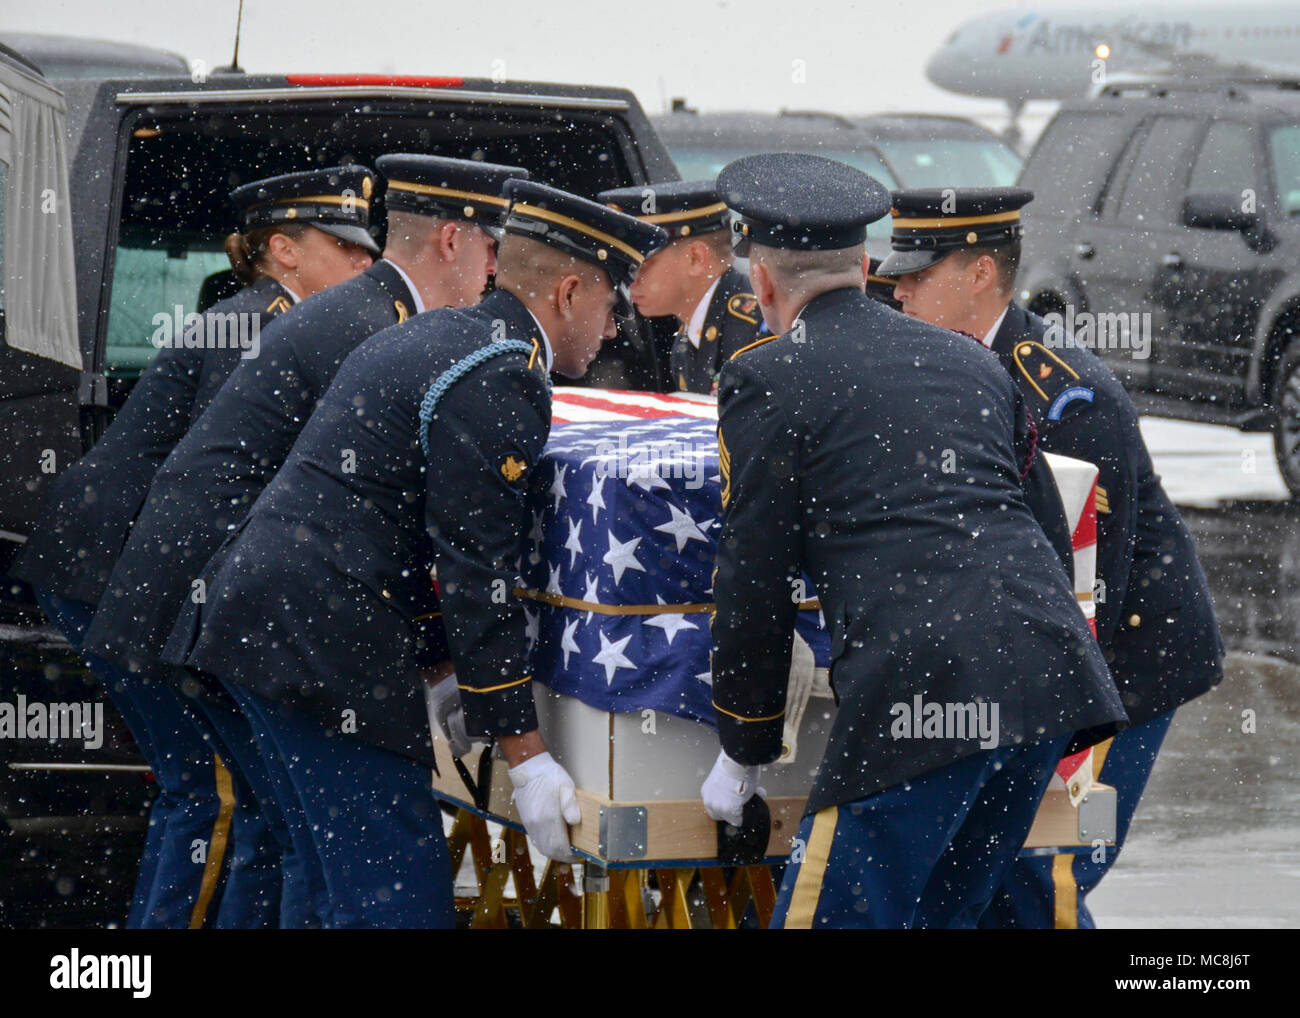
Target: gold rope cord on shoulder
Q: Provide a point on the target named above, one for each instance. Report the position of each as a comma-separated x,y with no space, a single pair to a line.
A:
216,844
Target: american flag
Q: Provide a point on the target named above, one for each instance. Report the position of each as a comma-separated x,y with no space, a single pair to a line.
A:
626,511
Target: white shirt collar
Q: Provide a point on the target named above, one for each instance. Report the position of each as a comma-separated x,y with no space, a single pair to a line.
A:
287,289
988,336
695,327
550,356
415,294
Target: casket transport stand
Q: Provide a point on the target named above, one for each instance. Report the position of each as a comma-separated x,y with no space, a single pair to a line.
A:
649,857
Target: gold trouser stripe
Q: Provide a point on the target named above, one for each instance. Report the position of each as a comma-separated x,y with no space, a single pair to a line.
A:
808,885
1099,752
1066,910
216,844
561,601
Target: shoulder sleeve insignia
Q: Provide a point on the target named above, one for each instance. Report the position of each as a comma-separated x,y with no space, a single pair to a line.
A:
1038,364
1064,399
513,468
745,307
402,313
279,306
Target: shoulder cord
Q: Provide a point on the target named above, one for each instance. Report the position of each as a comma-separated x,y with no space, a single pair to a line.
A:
429,405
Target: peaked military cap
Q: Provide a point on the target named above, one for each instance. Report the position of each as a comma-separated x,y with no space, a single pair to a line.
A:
931,223
335,199
448,188
618,243
792,200
684,208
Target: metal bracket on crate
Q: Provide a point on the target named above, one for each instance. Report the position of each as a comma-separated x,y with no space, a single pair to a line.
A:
623,832
1097,815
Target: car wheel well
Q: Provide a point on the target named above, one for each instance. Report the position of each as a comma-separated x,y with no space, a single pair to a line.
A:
1285,331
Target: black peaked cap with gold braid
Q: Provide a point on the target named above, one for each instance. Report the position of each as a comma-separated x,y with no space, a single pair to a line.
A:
447,188
685,208
930,223
616,242
335,199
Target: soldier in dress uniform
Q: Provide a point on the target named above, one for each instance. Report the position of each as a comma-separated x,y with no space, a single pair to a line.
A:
313,603
692,278
439,251
883,457
955,255
93,504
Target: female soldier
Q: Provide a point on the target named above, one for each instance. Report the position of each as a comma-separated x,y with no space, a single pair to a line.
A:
90,509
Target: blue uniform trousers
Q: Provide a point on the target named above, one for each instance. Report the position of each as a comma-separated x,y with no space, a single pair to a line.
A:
1049,891
182,865
370,816
927,853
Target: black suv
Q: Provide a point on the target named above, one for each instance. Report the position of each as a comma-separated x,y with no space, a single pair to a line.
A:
1167,221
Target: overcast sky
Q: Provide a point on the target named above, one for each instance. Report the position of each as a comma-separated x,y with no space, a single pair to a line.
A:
859,57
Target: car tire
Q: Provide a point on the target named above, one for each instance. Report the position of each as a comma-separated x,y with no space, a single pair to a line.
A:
1286,422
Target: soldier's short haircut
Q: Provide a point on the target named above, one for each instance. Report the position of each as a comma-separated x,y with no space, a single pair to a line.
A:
408,231
523,261
793,267
1005,256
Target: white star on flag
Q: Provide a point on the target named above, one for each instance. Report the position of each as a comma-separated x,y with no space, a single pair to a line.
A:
612,657
622,555
592,593
535,535
645,475
706,677
671,623
567,643
683,527
553,582
573,545
557,485
597,497
532,627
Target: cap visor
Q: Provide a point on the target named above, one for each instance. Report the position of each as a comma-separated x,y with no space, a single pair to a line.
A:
900,263
352,234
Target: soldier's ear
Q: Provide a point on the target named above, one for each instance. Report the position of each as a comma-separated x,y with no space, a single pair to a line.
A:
566,294
448,240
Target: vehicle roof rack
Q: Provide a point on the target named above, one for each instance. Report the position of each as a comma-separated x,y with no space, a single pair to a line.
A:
834,118
1230,85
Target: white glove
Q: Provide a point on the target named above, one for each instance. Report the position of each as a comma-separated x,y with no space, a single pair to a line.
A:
442,700
547,801
728,787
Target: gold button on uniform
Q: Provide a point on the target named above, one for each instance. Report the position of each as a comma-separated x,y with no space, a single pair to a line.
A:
1135,620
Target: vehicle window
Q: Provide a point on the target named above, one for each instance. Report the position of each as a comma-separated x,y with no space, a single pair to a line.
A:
148,281
698,163
1227,160
1069,165
4,201
951,162
1284,153
1151,193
